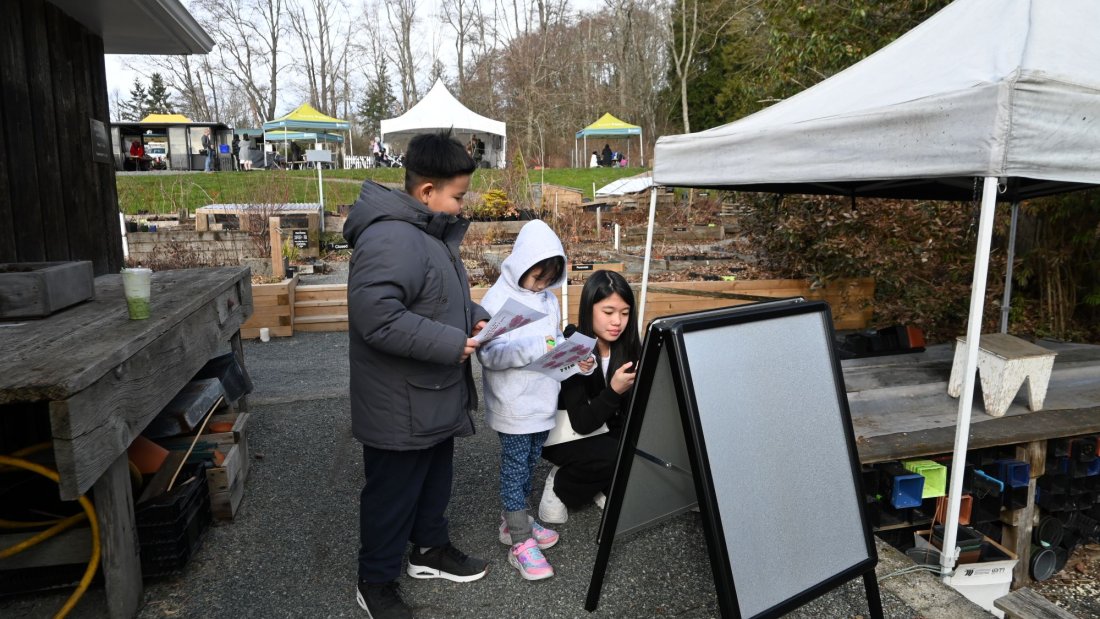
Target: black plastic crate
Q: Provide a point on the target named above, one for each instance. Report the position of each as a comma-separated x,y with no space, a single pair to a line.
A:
173,507
170,532
162,558
44,578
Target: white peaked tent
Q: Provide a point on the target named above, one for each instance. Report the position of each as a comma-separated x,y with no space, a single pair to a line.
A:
1003,90
440,110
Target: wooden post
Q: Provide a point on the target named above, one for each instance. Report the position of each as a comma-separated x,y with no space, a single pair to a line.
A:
202,220
1016,535
276,232
114,505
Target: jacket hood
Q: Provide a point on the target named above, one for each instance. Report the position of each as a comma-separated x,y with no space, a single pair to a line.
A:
377,203
536,242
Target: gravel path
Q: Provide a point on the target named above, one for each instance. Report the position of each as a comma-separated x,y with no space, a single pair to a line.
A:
291,550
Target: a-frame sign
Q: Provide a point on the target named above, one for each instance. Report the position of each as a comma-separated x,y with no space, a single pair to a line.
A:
742,411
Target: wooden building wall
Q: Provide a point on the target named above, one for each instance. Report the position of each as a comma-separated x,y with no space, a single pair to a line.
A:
56,203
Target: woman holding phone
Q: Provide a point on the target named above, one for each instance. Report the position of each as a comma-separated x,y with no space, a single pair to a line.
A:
596,404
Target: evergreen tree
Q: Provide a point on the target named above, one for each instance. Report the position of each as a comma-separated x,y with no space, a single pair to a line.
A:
378,103
134,108
780,48
157,97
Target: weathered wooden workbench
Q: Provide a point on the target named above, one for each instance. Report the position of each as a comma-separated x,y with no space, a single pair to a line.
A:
101,378
901,410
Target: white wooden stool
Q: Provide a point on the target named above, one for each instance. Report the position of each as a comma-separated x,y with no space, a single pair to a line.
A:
1004,363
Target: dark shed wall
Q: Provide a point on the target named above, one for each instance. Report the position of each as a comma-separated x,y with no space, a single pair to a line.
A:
56,203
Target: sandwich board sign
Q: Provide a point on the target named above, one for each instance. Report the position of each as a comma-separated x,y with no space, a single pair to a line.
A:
742,412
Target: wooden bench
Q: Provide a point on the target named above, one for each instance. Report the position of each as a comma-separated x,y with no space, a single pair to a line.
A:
1026,604
1004,363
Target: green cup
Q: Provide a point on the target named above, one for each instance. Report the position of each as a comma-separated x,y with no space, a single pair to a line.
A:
136,283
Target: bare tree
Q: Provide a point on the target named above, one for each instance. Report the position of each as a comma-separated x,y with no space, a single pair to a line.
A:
641,43
459,14
401,18
324,49
248,58
695,27
187,75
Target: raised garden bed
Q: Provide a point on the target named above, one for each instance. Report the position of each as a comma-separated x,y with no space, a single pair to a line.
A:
273,308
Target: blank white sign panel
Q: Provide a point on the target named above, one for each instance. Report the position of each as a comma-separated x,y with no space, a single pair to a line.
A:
778,454
655,492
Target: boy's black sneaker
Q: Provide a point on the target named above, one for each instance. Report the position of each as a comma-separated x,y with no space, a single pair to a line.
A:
382,601
446,562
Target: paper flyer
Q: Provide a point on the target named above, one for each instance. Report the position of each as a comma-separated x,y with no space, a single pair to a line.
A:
560,362
510,317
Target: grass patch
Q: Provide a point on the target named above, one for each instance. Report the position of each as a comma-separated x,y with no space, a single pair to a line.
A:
168,193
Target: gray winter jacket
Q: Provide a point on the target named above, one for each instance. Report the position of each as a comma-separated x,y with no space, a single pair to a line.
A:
409,314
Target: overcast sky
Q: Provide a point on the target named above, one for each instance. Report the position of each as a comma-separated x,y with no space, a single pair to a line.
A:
121,79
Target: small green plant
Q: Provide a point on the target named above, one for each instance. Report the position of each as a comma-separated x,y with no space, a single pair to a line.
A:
494,204
291,251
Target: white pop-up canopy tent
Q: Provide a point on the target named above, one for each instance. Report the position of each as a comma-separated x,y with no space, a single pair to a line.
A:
440,110
1003,90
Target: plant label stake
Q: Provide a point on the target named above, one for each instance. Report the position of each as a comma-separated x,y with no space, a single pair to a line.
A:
318,156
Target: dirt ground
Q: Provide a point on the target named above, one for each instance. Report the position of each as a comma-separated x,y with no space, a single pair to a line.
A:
1077,587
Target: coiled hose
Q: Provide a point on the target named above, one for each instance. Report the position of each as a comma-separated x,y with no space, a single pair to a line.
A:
57,525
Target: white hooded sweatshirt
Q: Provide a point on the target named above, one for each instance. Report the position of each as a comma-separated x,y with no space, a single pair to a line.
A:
521,401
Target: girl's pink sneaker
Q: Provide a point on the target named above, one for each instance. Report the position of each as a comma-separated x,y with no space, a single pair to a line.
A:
529,560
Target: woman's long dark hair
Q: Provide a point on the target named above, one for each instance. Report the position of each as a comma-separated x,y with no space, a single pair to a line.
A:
600,285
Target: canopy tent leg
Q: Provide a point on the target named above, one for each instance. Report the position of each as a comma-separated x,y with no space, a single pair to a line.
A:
1006,303
585,156
966,400
648,255
641,146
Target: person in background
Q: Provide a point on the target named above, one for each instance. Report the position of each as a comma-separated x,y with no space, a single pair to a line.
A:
596,403
594,160
520,404
236,152
246,153
411,326
606,155
477,149
137,154
210,149
295,152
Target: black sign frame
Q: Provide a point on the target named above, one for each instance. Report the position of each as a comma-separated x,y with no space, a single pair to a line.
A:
667,334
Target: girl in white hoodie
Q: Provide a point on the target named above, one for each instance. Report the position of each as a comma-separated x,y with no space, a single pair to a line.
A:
520,404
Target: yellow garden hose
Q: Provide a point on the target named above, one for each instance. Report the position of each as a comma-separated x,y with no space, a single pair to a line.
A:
89,513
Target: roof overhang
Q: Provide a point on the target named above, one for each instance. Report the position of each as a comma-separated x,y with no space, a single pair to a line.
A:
151,27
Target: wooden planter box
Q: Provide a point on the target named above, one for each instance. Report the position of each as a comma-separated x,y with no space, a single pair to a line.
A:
38,289
273,307
321,308
226,482
324,307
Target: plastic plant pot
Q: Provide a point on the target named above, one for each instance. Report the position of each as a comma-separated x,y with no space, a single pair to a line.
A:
1043,562
935,476
1013,473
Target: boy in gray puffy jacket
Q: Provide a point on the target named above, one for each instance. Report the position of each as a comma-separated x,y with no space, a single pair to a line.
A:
411,323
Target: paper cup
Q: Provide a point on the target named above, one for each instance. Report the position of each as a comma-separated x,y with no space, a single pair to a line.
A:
265,334
136,285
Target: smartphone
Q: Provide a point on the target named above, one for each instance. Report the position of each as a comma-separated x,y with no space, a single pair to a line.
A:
632,368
